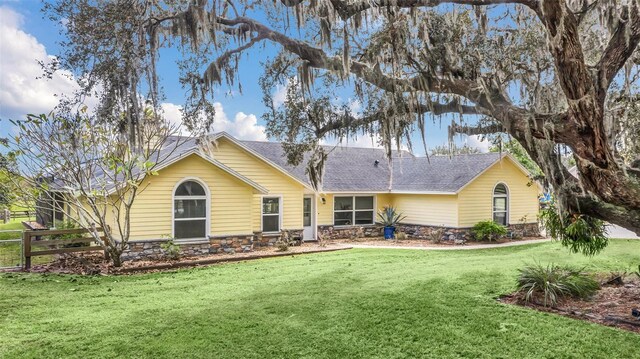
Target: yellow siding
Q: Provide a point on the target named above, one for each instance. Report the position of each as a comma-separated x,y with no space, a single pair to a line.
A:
88,215
231,200
325,211
276,182
428,209
476,200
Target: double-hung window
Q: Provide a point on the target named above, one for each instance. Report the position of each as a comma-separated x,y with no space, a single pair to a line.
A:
501,204
271,214
190,203
353,210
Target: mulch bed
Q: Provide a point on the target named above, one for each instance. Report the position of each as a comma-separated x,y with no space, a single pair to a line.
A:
94,263
610,306
414,242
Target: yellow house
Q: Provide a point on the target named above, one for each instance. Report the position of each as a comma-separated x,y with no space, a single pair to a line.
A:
243,193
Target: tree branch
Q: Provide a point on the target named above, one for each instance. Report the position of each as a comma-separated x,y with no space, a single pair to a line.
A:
565,46
489,100
347,9
620,48
455,128
434,108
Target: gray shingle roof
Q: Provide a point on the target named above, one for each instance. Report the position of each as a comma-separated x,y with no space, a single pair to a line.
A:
440,173
353,169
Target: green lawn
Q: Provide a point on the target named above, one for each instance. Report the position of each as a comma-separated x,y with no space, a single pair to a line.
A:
14,224
10,252
349,304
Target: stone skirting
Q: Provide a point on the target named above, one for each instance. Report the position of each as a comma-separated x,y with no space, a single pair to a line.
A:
225,244
428,232
270,239
333,232
525,230
420,231
231,244
152,249
450,234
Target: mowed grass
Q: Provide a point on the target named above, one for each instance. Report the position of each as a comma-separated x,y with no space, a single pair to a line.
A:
8,230
10,252
367,303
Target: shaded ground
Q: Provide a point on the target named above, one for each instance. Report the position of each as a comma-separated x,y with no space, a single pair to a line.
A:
92,263
359,303
611,305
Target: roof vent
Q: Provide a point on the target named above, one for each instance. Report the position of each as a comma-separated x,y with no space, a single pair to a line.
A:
375,163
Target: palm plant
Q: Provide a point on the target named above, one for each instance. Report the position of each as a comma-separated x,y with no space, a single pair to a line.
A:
389,217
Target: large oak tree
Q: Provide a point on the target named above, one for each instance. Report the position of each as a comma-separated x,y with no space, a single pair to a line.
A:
559,76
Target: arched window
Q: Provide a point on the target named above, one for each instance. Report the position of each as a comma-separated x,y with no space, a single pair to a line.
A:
501,204
190,210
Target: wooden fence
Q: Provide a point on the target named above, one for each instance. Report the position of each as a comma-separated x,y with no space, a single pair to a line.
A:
32,239
6,215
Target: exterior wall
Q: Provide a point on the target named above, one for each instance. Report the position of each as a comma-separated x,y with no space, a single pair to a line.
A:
277,183
110,216
428,209
152,212
475,202
325,211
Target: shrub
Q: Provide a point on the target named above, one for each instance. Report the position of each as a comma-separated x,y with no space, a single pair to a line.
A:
282,246
579,233
488,230
435,236
401,236
170,250
553,283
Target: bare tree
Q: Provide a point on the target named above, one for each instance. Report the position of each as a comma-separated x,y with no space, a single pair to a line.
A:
553,74
86,171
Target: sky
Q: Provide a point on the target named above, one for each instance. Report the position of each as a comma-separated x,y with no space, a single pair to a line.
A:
25,38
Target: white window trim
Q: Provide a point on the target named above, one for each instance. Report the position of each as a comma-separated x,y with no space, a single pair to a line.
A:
262,214
206,197
354,210
493,206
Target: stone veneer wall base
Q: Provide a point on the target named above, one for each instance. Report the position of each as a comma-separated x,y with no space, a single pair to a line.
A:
229,244
419,231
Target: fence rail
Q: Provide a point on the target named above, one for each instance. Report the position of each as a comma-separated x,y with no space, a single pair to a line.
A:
6,215
32,240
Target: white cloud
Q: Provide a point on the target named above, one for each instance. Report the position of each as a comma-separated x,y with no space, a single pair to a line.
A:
475,141
243,126
172,113
21,91
280,95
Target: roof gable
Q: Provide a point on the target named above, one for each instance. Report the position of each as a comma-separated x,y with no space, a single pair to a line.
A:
353,169
277,165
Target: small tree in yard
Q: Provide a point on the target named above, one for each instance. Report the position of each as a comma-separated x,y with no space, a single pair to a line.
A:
86,169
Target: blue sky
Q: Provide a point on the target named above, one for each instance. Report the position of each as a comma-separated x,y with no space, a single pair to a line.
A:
26,37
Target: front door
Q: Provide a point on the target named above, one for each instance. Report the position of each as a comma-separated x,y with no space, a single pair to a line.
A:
307,218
